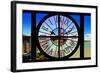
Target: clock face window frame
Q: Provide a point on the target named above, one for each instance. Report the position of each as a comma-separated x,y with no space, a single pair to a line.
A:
55,37
55,28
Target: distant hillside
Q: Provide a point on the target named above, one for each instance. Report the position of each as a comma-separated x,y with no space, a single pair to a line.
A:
87,40
26,35
27,38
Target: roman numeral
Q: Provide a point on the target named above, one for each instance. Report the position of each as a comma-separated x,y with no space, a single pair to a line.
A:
48,25
50,22
45,40
56,20
67,21
68,25
47,48
62,53
68,49
45,28
72,43
45,45
50,52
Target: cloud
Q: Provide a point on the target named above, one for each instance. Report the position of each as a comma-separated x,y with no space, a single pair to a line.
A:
87,36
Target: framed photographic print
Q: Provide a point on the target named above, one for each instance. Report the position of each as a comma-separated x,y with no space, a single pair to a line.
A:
47,36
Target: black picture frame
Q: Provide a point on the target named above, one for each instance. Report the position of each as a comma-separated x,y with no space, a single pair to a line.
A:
13,35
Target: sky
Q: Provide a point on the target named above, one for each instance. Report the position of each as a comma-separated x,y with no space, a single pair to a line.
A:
39,17
87,29
26,17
